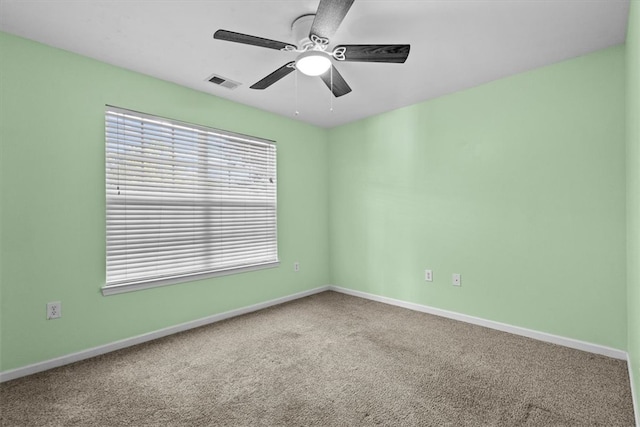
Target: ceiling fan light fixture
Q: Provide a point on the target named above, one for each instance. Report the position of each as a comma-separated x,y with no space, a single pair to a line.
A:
313,62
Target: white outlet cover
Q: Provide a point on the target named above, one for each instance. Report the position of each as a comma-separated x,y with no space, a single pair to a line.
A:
428,276
54,310
456,279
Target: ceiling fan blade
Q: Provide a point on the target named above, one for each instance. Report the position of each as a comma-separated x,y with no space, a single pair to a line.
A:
329,15
275,76
230,36
340,86
396,53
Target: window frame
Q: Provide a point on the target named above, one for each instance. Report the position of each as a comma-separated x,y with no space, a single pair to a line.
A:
135,284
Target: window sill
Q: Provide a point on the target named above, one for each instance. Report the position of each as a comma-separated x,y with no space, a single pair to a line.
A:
146,284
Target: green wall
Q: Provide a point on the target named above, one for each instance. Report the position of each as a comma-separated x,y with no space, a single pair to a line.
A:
53,204
518,185
633,192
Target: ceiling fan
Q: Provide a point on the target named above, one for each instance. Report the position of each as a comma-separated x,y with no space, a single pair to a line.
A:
313,33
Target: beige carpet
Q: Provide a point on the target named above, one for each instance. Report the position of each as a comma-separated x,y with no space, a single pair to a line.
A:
329,360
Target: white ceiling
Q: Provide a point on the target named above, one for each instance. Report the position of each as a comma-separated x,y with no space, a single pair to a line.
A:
455,44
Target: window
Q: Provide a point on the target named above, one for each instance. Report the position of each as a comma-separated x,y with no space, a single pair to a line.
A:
185,202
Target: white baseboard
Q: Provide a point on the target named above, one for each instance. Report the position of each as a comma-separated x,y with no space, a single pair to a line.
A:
516,330
128,342
634,396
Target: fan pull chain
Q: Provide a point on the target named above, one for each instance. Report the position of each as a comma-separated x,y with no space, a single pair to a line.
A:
331,91
296,80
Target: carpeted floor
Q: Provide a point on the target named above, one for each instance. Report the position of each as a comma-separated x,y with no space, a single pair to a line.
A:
329,360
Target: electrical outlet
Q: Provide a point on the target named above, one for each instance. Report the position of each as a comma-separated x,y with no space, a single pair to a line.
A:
428,276
296,266
54,310
456,279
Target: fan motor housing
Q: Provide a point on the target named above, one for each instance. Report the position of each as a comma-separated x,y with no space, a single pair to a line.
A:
300,28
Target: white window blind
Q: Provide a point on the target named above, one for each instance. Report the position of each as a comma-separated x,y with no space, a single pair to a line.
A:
185,201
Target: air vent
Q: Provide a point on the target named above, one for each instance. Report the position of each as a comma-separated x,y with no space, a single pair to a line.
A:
223,81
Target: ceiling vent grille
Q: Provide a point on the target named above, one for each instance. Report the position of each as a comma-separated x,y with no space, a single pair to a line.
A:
223,81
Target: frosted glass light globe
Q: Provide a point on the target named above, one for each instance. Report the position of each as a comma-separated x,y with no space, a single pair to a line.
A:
313,62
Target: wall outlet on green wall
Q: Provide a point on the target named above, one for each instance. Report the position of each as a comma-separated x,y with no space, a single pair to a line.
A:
54,310
456,279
